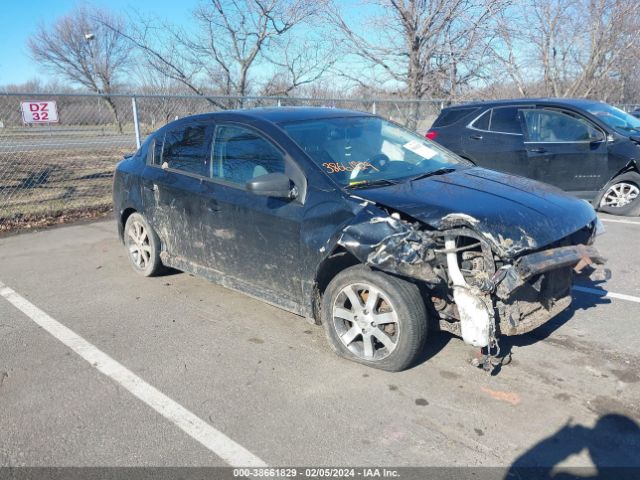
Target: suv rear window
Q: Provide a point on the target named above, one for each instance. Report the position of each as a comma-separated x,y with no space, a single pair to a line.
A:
451,116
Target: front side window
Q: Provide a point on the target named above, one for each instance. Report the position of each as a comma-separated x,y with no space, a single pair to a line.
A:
364,150
240,154
552,126
186,148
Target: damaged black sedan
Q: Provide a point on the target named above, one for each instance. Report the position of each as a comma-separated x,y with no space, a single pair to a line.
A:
355,223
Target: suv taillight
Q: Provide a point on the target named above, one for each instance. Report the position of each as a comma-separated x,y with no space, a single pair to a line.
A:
431,134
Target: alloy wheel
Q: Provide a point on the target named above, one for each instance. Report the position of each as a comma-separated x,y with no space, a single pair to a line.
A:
620,195
138,245
365,321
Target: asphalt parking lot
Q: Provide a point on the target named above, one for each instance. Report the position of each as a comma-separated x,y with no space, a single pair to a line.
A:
262,385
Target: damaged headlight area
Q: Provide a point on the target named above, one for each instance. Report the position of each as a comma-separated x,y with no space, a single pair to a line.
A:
474,292
394,245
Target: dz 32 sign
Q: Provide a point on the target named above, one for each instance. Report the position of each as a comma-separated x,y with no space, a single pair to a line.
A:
39,112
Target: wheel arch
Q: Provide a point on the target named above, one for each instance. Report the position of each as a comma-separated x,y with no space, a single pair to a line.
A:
332,265
122,220
632,166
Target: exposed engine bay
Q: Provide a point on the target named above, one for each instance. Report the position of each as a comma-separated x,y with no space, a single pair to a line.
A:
475,292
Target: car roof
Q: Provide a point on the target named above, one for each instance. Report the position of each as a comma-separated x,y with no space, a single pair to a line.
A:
285,114
573,102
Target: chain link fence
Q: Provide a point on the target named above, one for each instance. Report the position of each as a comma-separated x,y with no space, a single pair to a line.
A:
50,172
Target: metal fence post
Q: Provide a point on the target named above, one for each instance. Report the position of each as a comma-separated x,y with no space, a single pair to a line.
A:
136,125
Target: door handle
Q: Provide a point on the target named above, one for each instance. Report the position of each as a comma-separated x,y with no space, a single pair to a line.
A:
152,188
538,150
476,137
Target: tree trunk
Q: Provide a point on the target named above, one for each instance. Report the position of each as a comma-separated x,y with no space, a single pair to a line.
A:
114,111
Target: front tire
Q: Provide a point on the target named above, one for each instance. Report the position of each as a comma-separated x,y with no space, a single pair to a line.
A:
374,318
622,195
143,246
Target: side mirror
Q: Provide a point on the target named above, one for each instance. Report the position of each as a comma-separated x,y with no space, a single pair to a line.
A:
276,185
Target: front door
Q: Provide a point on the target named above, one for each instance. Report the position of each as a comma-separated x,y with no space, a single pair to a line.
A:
254,239
565,150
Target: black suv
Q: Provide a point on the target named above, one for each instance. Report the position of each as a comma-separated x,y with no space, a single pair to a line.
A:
585,147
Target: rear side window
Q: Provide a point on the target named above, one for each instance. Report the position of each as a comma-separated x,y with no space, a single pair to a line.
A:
500,120
154,154
482,122
151,148
451,116
240,154
186,148
505,120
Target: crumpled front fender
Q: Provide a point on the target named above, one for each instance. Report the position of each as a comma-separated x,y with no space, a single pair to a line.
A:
392,245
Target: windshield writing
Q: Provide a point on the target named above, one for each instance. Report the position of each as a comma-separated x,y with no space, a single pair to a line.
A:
365,150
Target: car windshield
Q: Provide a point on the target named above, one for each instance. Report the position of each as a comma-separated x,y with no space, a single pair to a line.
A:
615,118
362,151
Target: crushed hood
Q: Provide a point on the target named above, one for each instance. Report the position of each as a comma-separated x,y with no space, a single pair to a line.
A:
514,214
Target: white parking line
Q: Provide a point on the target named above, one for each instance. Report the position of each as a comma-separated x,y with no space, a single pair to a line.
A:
605,293
615,220
231,452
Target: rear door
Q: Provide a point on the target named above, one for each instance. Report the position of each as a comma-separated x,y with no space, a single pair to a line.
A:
173,185
495,140
565,150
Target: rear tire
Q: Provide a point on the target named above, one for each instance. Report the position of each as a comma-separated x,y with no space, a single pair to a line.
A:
374,318
621,196
143,246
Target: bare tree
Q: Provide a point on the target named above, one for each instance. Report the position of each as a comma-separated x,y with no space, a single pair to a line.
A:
165,101
568,47
234,37
421,48
79,48
297,64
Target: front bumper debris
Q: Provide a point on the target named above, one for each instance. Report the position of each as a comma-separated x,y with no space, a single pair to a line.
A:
514,276
537,287
514,299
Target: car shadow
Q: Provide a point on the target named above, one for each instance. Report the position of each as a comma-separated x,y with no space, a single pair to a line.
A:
580,301
169,272
612,445
436,341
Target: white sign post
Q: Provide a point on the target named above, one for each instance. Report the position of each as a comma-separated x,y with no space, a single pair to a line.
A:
39,112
